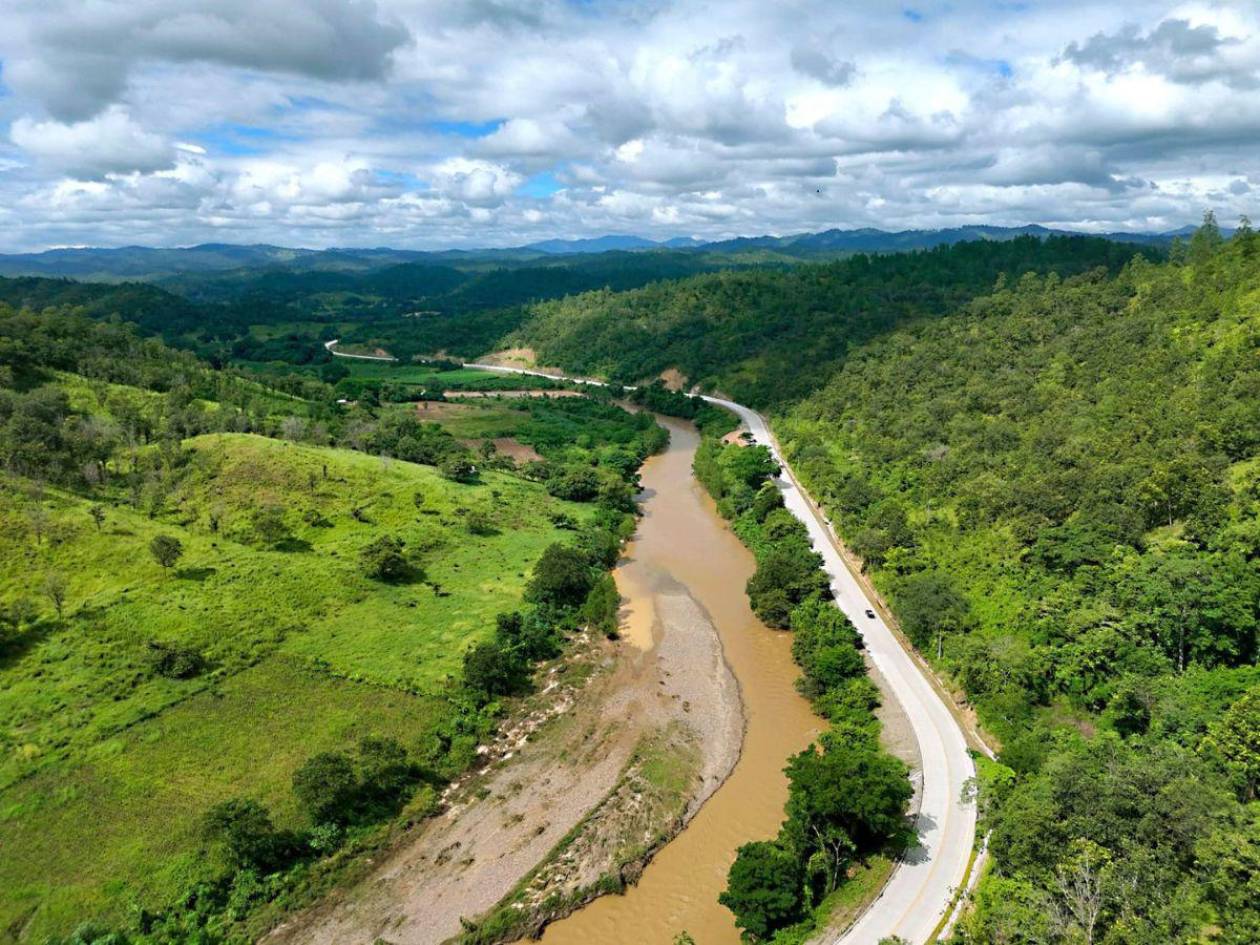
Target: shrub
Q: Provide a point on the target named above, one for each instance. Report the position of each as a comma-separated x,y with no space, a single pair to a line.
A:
245,830
175,662
561,576
326,787
383,559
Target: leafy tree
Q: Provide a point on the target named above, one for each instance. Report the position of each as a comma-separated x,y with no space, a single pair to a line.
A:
492,669
849,795
459,468
574,483
562,576
929,607
1235,739
384,559
55,588
785,576
244,829
326,786
763,889
98,516
384,768
166,550
270,524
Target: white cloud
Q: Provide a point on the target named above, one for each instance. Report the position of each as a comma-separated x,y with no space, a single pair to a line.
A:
109,143
419,122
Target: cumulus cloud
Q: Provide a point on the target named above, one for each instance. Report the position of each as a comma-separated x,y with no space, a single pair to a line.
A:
817,63
76,58
110,143
1186,53
472,122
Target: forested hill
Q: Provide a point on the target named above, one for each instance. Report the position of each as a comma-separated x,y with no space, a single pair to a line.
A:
770,336
1059,489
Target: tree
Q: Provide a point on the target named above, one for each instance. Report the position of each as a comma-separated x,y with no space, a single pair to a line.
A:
1235,739
928,605
785,576
850,796
561,576
327,787
98,516
763,889
574,483
494,670
384,769
54,588
269,524
244,828
384,560
1081,882
1207,239
458,468
166,550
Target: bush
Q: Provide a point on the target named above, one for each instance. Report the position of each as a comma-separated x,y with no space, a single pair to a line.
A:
175,662
562,576
763,889
383,559
245,830
326,787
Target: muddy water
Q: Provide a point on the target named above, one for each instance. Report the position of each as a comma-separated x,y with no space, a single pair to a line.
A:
682,539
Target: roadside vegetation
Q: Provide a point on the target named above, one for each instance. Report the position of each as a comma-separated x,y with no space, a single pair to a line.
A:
847,796
244,634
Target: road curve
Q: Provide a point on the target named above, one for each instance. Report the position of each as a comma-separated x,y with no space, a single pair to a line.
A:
921,891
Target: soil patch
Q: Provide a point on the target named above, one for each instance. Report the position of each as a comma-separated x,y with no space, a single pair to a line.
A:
507,446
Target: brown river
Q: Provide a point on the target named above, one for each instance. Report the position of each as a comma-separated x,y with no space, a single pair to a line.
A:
682,539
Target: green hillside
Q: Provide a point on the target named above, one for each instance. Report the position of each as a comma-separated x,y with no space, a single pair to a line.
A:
769,336
204,597
1059,489
302,652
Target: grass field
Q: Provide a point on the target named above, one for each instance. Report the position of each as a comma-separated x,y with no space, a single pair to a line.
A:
107,766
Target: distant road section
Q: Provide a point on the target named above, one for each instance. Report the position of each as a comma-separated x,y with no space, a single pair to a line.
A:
331,348
922,890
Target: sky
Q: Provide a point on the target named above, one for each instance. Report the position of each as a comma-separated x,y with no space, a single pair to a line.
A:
438,123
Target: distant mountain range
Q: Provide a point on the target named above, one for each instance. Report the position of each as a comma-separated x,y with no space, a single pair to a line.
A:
148,263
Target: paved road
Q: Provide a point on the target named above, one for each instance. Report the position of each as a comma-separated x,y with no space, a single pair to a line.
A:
922,888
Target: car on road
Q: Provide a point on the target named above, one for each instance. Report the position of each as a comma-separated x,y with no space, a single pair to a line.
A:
870,613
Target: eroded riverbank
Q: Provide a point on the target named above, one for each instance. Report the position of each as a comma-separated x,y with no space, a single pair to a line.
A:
682,536
630,740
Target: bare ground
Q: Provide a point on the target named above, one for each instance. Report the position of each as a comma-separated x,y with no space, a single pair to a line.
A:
583,764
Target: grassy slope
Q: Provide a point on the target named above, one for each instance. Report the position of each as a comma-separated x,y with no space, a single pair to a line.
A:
107,767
